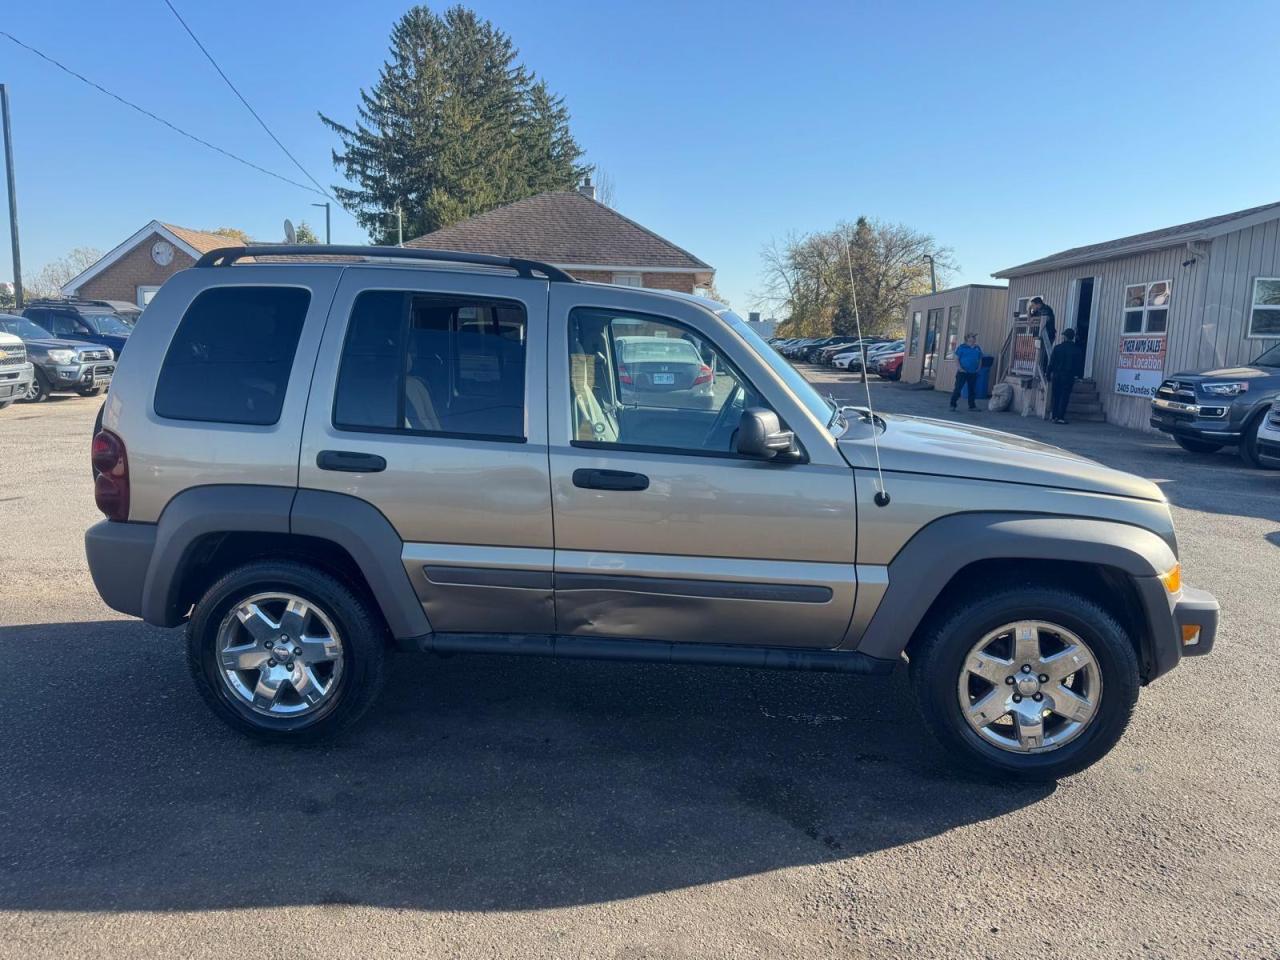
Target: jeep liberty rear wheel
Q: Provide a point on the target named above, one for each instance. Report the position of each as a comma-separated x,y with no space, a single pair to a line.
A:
282,651
1030,682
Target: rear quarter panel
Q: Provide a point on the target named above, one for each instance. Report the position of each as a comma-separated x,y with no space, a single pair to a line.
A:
169,456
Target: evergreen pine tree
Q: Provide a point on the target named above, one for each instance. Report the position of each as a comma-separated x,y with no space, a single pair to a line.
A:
454,126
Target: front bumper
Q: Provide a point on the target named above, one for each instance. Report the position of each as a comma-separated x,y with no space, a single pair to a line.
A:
1196,610
15,382
1166,615
1209,421
80,376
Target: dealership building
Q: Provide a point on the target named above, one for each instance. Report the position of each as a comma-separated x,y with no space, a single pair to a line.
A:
1192,297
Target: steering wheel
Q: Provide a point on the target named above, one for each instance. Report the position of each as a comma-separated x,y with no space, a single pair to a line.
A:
723,420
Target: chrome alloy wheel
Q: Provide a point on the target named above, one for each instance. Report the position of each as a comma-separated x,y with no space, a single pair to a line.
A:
280,655
1030,687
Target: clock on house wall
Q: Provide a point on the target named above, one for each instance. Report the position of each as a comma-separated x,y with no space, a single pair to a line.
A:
162,253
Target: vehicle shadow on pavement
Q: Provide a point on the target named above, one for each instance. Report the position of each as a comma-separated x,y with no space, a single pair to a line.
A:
478,784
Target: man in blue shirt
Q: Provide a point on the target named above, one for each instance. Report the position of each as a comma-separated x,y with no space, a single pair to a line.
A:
969,360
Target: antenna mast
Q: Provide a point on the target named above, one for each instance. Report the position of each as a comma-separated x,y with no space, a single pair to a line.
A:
882,495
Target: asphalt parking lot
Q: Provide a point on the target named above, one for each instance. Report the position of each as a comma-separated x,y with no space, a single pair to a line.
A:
497,807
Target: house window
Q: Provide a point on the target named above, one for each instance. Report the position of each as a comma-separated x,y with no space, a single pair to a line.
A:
1021,308
953,331
628,280
1146,307
1264,318
145,294
913,345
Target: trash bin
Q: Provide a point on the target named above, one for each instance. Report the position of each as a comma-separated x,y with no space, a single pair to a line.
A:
984,378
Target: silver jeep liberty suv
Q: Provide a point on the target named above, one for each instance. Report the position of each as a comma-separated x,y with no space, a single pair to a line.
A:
313,456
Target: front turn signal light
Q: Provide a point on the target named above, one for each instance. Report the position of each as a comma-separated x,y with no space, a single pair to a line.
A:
1172,579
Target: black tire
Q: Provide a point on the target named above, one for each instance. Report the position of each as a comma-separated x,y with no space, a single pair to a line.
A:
40,388
940,653
362,633
1197,446
1249,442
95,392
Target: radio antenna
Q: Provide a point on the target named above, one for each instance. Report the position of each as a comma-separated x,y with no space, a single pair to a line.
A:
882,495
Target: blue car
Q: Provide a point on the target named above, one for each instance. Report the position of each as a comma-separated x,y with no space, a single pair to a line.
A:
89,321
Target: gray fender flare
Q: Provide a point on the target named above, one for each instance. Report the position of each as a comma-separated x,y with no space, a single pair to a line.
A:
925,566
194,513
360,528
353,524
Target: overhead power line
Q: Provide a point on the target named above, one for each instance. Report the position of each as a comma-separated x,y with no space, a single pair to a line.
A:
262,123
147,113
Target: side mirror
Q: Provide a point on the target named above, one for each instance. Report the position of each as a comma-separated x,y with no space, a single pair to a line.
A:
761,435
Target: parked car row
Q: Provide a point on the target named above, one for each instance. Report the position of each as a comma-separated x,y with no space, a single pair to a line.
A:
1205,411
880,355
61,346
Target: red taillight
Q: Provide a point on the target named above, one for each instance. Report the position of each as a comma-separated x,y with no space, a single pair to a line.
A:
110,475
623,373
704,375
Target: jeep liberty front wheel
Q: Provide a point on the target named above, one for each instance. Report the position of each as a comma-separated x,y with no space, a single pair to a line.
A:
1030,682
282,651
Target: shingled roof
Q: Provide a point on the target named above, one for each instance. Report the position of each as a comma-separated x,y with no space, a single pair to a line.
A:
1152,240
564,228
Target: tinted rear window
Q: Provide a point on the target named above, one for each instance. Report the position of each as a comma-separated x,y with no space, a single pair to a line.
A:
230,358
434,364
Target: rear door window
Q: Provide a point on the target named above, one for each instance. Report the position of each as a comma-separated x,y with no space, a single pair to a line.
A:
231,356
433,364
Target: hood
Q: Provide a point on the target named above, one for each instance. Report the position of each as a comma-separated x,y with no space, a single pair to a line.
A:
920,445
1225,373
57,343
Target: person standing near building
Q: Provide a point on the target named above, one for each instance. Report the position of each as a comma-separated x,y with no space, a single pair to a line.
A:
1048,322
969,361
1062,374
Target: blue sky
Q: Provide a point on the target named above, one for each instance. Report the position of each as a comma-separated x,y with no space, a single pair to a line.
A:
1007,130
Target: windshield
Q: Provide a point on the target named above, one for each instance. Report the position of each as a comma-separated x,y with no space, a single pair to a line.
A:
24,329
821,409
108,323
1270,358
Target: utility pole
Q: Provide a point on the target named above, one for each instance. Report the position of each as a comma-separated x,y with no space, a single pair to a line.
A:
933,280
326,220
399,225
13,196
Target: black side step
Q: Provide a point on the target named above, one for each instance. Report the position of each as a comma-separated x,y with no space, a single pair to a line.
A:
655,651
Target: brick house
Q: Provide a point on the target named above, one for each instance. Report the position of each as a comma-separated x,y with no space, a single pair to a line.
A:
135,269
573,231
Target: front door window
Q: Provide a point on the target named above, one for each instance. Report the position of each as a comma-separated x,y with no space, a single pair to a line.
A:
639,381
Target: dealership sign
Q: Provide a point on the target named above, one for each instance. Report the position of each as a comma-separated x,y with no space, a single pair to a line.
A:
1140,369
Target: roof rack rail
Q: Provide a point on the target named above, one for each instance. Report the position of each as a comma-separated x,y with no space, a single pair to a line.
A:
225,256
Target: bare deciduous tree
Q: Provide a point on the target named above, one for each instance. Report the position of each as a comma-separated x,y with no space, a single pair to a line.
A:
606,188
49,280
807,276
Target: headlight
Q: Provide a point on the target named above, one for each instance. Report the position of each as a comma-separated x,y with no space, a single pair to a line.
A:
1224,389
62,356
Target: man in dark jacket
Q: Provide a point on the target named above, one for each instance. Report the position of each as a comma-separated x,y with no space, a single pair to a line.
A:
1062,374
1048,323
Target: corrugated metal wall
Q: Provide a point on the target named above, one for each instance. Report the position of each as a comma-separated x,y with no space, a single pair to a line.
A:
983,312
1208,313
